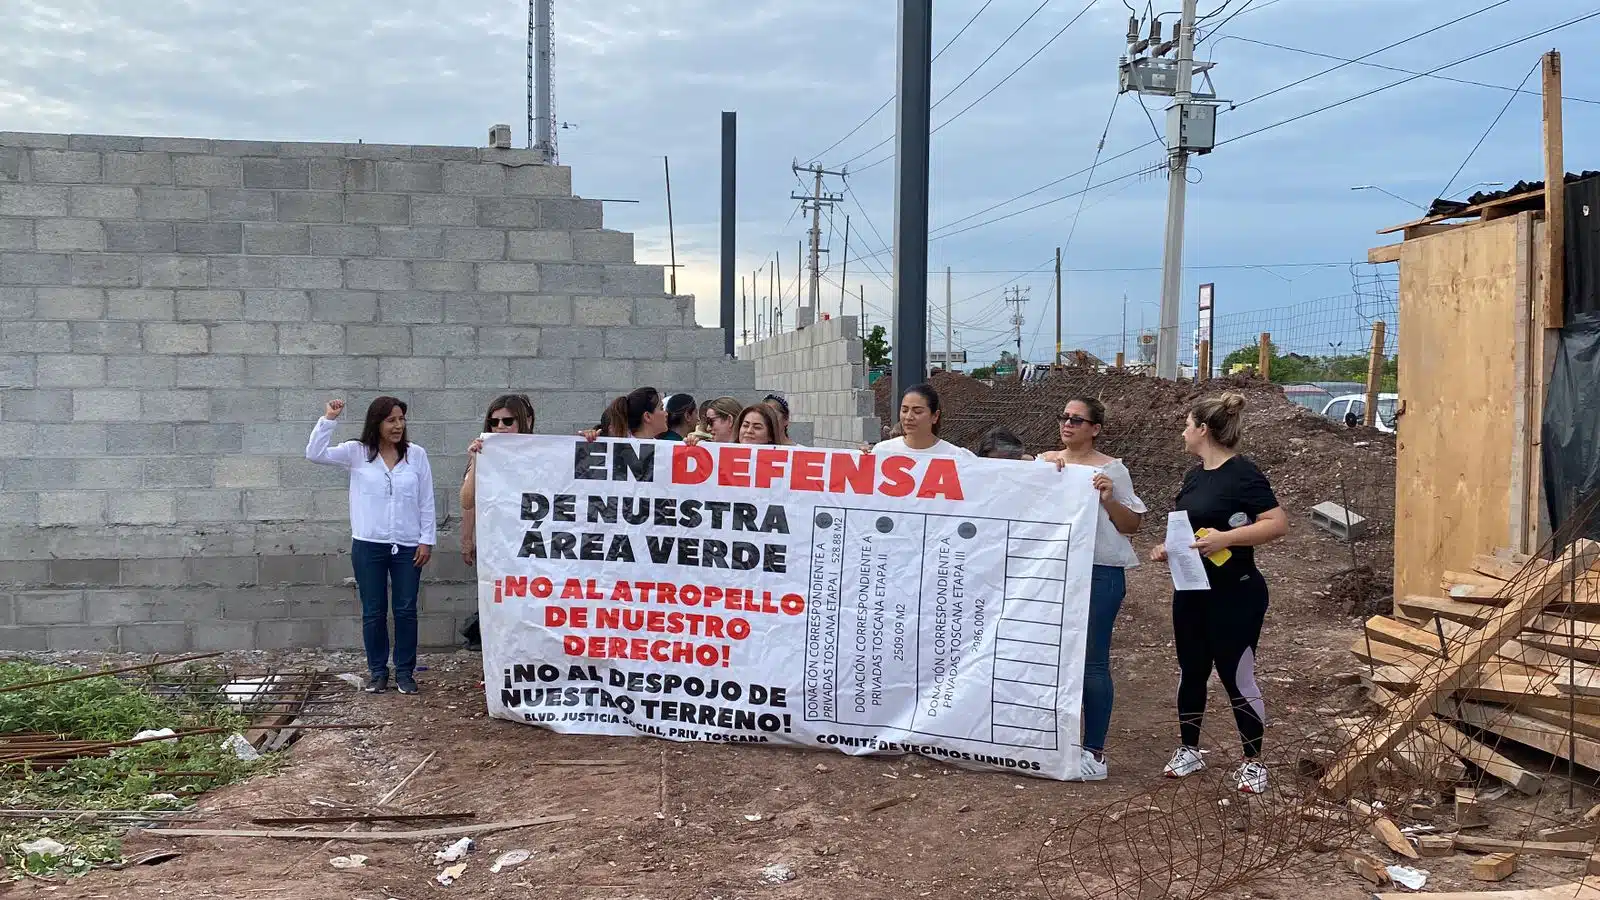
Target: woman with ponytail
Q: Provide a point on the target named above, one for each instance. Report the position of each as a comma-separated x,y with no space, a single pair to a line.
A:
636,414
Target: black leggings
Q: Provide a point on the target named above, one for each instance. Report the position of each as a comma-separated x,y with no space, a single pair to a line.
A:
1219,629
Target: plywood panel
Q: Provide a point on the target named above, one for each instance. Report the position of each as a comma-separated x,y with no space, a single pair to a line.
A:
1459,376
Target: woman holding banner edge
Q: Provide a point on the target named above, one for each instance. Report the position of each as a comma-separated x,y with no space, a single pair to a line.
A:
1121,515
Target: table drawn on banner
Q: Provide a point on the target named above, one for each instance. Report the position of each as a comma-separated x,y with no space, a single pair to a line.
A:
863,648
792,596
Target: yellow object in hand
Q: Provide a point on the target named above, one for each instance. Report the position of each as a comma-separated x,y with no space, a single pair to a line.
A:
1219,557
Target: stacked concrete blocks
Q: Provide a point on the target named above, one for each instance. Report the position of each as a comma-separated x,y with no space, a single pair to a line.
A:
821,371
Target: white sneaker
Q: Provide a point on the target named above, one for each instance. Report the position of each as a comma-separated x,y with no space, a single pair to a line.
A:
1089,768
1252,777
1185,762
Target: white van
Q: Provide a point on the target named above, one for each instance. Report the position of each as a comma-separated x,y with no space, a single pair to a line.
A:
1339,408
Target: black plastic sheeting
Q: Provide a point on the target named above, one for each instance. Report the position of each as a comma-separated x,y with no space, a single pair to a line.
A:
1583,249
1571,449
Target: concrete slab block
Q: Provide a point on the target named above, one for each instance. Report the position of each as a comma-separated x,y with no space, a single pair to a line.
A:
169,637
489,374
613,375
172,272
634,280
72,439
71,508
344,240
176,339
444,210
33,139
572,342
82,637
661,312
410,177
213,237
35,268
378,340
277,506
346,372
278,174
635,343
694,343
17,234
138,168
174,405
602,310
293,569
310,339
210,438
167,572
243,339
103,142
236,205
291,634
24,639
268,238
69,371
61,235
242,272
140,237
578,279
474,244
478,179
377,275
539,181
571,214
344,306
49,607
196,507
542,374
442,276
310,273
247,471
541,309
411,307
35,337
174,204
84,572
105,337
177,145
68,166
602,246
411,242
208,636
211,371
509,340
540,246
358,175
445,340
310,206
208,171
378,209
466,308
414,372
70,304
276,306
509,212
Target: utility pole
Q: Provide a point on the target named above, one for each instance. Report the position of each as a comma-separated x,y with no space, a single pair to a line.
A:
1019,296
862,289
1191,128
1058,307
799,248
775,302
541,111
1124,352
730,215
815,203
844,271
913,125
744,308
949,327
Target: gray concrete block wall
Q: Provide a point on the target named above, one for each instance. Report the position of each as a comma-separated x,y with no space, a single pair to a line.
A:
821,371
174,313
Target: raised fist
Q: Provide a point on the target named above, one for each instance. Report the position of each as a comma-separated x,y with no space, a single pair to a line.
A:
335,407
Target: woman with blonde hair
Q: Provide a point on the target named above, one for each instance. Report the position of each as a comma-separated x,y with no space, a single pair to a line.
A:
1233,510
719,421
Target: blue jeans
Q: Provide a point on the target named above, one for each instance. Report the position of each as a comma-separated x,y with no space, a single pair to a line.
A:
1107,585
382,573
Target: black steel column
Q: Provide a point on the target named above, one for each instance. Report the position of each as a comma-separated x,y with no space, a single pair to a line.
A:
730,130
912,124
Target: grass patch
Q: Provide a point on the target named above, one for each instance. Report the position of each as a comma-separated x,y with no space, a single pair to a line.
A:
130,778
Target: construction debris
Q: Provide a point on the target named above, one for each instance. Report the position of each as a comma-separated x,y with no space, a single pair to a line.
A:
363,836
1495,867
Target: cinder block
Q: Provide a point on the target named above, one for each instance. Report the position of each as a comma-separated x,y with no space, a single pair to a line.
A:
410,177
245,340
253,606
277,371
234,205
474,243
344,372
208,171
344,306
310,339
437,632
480,179
442,276
64,440
208,636
155,638
583,279
56,235
407,242
242,272
213,371
72,508
214,237
695,343
138,168
245,148
377,275
141,371
444,210
286,439
540,246
191,146
276,306
38,473
660,311
539,181
508,277
571,214
572,406
414,372
633,280
542,374
23,573
35,337
445,340
378,340
247,471
187,204
80,572
143,439
277,505
343,633
725,376
602,311
295,569
509,212
66,166
444,154
174,405
510,340
541,309
290,634
378,209
66,372
82,637
310,206
172,272
44,200
17,372
293,470
103,142
211,306
34,268
175,339
105,337
96,202
344,240
602,246
476,373
23,639
16,234
84,304
573,343
606,375
171,571
140,237
19,439
210,506
635,343
49,607
269,238
411,308
465,308
209,439
344,175
277,174
107,473
309,273
222,571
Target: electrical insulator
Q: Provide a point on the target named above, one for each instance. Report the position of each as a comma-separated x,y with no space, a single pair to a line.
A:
1133,29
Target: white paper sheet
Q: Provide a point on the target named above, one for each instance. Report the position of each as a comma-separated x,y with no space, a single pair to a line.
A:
1188,572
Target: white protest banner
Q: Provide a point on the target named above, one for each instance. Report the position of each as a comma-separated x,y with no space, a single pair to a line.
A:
790,596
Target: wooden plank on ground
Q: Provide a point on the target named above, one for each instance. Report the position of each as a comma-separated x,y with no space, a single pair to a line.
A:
1482,756
1535,733
1560,892
1566,626
1567,850
1582,723
1584,650
1443,676
360,836
1423,608
1496,567
1383,629
1475,585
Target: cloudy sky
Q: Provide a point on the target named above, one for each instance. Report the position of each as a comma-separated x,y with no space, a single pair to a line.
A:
1272,219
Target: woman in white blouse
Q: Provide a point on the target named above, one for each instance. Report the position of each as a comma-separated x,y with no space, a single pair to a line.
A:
1121,514
392,522
919,426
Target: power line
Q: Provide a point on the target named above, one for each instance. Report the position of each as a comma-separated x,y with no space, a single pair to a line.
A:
1486,131
1408,80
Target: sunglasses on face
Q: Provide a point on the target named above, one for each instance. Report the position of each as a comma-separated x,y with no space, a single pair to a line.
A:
507,421
1073,420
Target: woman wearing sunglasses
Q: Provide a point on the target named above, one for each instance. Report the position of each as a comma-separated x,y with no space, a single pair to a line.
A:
719,420
1121,514
508,414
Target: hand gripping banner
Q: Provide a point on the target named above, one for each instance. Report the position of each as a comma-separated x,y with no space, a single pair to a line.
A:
787,596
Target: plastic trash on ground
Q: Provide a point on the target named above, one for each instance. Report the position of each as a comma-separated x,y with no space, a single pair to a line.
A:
1408,877
43,847
454,852
241,748
777,873
449,876
353,861
509,859
151,734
